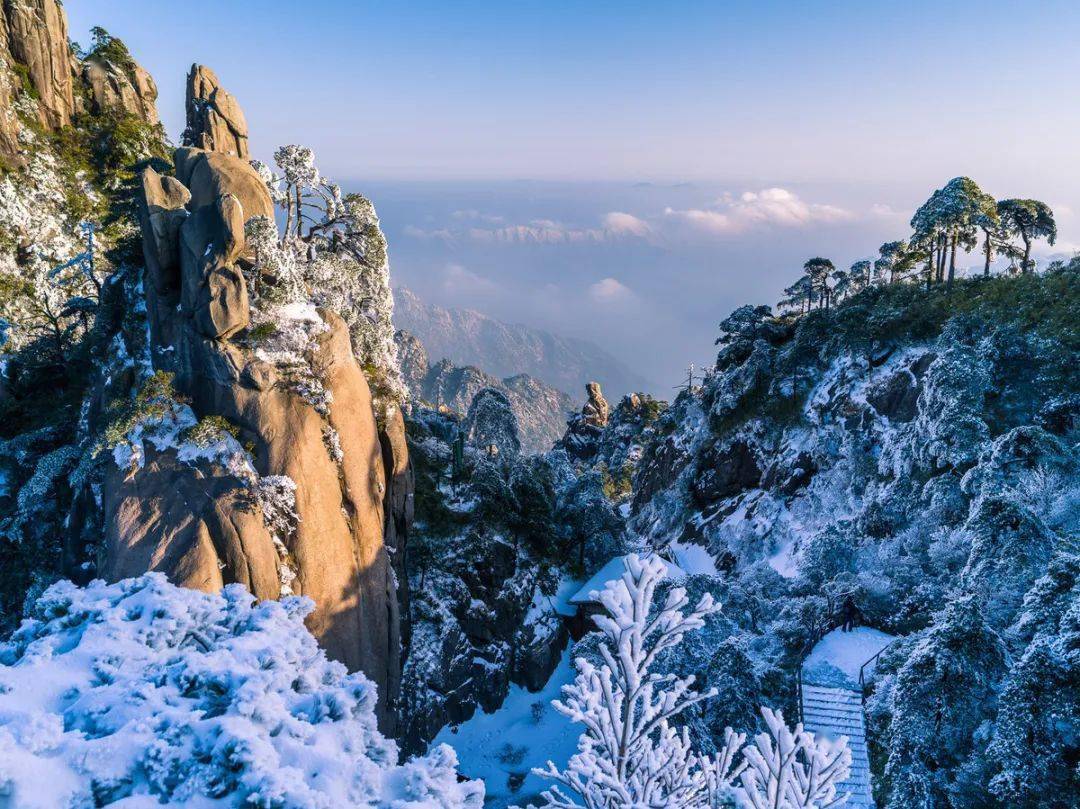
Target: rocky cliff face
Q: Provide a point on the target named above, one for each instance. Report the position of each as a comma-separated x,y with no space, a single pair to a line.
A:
37,57
321,527
150,426
541,410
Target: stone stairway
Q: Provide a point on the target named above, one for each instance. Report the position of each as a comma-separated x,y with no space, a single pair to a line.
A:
833,712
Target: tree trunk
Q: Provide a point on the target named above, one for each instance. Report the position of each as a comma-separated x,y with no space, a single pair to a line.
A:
299,214
1027,253
952,260
989,254
288,214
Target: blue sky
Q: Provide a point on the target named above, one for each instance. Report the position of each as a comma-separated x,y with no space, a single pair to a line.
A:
521,113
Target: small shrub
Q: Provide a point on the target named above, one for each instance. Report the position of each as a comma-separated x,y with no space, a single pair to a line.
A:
210,430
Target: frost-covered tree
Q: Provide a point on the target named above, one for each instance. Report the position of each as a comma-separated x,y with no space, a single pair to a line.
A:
950,423
1027,219
50,305
632,755
937,704
895,260
334,254
1036,744
144,693
949,220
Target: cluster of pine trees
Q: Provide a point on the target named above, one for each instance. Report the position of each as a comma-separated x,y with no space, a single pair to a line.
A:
958,216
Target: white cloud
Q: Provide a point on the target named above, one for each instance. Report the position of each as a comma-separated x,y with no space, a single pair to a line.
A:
728,215
457,279
617,223
614,226
609,290
776,207
478,216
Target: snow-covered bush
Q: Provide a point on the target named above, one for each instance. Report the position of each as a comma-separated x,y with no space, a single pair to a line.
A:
631,754
147,694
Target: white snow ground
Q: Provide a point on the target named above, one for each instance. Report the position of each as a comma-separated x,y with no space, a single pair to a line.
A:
844,652
524,733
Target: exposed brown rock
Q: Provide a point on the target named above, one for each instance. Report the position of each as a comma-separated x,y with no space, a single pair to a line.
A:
596,410
37,37
36,59
215,121
399,509
196,523
112,88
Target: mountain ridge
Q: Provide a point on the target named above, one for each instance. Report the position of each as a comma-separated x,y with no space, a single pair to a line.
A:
469,337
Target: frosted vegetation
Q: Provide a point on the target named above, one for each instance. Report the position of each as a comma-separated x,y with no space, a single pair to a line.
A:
632,755
331,254
146,694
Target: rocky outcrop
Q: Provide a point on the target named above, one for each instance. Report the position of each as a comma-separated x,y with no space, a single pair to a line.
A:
38,63
215,121
897,396
596,410
205,526
399,510
541,410
112,87
491,425
36,36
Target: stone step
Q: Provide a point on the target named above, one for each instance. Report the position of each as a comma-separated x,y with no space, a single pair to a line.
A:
834,712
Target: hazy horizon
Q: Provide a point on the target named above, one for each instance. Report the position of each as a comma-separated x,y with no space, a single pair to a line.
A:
629,174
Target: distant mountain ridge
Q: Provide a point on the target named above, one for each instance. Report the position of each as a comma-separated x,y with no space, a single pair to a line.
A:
541,410
467,337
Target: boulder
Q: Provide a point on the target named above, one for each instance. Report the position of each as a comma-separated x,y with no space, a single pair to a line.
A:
208,175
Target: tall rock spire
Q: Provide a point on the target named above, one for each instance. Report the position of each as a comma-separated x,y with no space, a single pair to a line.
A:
320,463
215,121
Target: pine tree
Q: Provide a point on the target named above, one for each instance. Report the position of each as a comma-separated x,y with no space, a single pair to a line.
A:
632,755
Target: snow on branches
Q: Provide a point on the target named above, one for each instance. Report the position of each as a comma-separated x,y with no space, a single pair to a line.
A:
631,755
333,254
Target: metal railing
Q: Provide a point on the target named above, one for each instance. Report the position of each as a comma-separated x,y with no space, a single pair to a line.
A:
862,670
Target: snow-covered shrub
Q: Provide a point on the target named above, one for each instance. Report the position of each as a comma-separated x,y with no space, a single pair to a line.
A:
632,755
276,498
141,688
288,343
333,254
